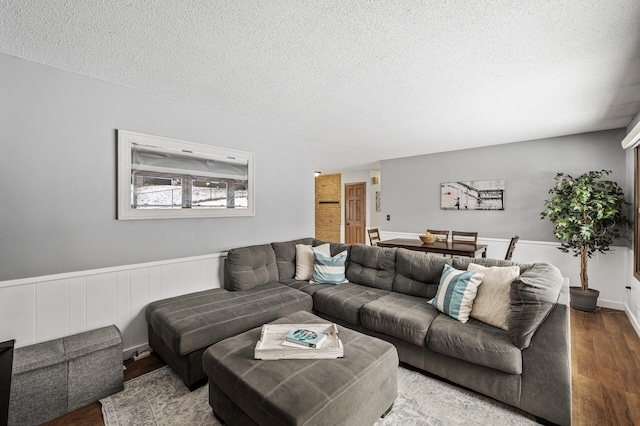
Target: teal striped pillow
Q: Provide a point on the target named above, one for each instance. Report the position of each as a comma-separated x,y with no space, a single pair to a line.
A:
456,292
327,269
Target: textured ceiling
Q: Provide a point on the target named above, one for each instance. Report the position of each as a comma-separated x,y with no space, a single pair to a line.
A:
366,80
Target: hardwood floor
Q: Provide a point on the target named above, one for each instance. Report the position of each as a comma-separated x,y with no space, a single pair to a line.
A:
605,361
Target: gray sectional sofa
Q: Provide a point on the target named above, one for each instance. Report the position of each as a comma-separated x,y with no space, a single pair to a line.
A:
526,366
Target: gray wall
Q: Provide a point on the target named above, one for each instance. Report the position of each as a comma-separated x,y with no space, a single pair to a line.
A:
58,169
411,186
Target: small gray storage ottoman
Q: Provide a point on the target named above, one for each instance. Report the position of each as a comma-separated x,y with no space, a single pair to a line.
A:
94,365
53,378
357,389
38,383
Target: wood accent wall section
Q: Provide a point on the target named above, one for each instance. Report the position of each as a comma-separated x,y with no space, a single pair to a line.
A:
328,207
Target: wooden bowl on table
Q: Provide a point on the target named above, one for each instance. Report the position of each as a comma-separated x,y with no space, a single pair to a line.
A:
428,239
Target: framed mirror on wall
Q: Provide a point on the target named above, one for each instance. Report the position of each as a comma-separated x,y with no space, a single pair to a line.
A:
162,178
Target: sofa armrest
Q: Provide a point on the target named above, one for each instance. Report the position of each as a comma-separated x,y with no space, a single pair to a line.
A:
533,295
546,365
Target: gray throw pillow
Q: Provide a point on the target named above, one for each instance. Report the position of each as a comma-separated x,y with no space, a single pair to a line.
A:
533,294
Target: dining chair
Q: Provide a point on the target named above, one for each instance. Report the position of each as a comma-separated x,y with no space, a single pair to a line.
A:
439,233
374,236
512,247
464,237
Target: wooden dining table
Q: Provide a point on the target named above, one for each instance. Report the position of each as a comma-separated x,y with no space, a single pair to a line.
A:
442,247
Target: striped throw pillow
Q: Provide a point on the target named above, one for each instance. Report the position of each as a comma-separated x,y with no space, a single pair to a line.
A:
456,292
327,269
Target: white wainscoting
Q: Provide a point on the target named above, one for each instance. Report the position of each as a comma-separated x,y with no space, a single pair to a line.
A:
38,309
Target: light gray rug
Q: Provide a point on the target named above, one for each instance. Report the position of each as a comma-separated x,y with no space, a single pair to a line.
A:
160,398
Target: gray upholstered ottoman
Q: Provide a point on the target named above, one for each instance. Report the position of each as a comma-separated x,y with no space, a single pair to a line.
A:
356,389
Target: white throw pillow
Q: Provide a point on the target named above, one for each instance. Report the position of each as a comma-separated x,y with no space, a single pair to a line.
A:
493,303
304,259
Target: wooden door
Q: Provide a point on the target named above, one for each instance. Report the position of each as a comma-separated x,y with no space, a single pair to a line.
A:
354,211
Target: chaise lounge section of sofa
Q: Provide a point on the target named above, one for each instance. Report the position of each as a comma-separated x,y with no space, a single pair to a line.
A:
387,296
182,328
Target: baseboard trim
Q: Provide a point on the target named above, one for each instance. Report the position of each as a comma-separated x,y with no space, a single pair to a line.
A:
611,305
632,318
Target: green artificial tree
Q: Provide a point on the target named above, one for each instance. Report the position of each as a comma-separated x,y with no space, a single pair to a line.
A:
588,213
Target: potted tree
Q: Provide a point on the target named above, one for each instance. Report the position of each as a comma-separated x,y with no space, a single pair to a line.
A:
588,213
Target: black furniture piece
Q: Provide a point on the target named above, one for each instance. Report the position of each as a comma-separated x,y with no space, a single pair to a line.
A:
6,366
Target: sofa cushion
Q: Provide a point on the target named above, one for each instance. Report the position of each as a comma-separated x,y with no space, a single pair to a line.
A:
456,292
345,301
192,321
302,285
460,262
372,266
493,303
417,273
286,256
399,315
475,342
247,267
533,294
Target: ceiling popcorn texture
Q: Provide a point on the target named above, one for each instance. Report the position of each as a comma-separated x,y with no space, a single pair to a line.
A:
365,80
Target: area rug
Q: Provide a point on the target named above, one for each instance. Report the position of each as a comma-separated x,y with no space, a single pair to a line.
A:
160,398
